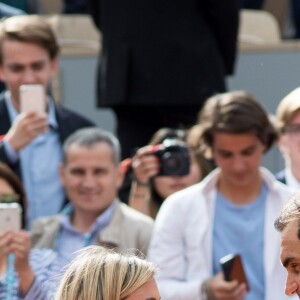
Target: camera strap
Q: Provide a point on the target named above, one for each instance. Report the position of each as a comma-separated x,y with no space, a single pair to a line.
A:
10,276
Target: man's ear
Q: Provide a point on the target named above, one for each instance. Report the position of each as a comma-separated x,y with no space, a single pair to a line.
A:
2,76
54,66
283,144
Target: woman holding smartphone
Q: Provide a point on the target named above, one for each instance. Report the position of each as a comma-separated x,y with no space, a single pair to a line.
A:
22,270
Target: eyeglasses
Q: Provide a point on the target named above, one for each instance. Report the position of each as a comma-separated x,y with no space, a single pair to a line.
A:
9,198
293,130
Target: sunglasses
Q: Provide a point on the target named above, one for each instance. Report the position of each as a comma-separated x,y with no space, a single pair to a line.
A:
9,198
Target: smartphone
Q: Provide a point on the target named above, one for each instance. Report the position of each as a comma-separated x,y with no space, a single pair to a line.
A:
233,269
32,98
10,216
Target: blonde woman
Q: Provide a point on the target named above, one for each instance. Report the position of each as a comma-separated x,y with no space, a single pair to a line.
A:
101,274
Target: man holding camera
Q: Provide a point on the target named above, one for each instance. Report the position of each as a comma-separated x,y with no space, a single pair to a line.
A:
30,142
91,176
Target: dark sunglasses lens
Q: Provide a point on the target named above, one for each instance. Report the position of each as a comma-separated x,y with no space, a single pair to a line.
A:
8,198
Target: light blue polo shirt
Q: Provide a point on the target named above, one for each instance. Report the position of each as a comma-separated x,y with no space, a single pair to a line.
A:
239,229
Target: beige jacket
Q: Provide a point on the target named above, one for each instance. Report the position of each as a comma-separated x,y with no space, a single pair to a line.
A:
128,229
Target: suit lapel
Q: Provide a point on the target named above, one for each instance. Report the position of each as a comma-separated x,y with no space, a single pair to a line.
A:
5,123
60,118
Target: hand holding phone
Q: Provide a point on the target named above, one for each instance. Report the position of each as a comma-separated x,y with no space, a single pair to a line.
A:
232,267
32,98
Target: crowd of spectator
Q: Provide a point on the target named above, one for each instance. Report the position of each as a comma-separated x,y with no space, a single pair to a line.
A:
185,198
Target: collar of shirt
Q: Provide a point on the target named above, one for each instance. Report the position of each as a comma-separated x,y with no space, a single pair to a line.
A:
291,179
101,222
12,112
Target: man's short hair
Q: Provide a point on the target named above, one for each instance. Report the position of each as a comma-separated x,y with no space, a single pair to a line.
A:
89,137
287,108
289,213
29,29
235,112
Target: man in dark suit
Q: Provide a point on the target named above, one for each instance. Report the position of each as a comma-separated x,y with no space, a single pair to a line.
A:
30,142
161,60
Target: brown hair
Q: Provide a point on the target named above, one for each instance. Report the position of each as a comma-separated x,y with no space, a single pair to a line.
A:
233,112
29,29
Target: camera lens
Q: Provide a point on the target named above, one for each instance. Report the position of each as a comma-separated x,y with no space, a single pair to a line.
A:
174,158
173,163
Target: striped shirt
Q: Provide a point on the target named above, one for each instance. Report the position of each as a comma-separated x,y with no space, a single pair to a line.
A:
47,268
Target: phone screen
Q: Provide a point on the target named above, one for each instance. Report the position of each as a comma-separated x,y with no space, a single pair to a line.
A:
32,98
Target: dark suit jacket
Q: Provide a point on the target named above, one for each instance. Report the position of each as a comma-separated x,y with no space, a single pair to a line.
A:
169,52
68,122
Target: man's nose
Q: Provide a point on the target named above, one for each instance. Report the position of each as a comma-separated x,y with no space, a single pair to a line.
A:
29,76
89,180
291,286
238,163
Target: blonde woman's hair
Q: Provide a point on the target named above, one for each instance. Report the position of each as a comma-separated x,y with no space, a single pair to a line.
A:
101,274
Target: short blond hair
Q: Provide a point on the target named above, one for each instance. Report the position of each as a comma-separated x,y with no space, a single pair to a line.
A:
287,108
29,29
101,274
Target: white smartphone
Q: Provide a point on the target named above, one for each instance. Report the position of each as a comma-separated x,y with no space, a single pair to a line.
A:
10,216
32,98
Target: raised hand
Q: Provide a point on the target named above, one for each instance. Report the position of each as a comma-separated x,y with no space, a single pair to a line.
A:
26,127
20,245
145,165
5,240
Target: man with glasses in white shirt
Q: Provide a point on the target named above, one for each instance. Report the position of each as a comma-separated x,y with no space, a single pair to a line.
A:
288,117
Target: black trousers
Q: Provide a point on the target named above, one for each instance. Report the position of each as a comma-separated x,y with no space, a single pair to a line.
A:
137,124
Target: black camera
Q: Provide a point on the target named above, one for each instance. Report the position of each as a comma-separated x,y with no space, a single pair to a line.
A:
174,158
